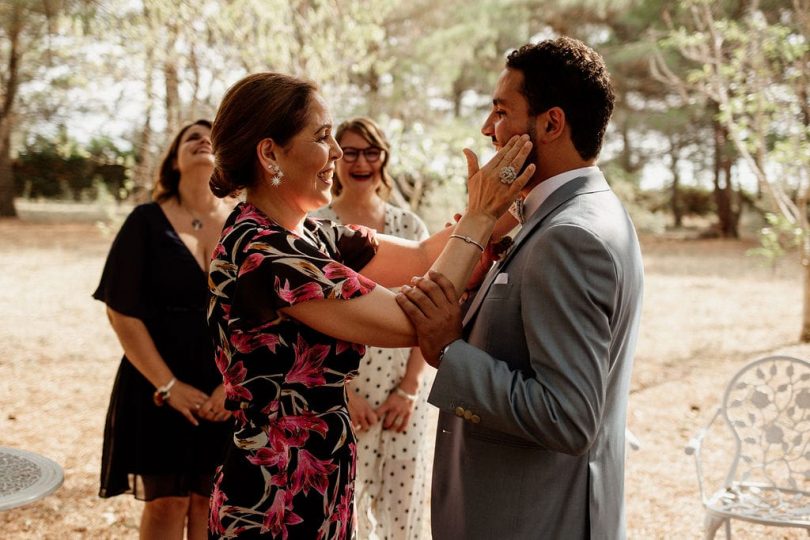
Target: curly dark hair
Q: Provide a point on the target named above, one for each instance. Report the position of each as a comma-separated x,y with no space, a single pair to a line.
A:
566,73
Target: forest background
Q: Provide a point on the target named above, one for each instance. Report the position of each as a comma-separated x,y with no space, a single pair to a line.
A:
709,146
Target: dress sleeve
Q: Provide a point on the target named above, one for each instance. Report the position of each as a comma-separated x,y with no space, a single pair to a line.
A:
354,245
122,281
281,270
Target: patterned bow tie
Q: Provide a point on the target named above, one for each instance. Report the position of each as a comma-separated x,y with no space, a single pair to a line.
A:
517,210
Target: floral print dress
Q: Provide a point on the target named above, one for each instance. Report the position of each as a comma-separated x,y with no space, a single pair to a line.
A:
289,472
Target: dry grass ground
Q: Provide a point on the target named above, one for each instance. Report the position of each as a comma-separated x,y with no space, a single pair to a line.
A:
708,310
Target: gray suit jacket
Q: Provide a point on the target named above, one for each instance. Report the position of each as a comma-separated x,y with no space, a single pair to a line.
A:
533,401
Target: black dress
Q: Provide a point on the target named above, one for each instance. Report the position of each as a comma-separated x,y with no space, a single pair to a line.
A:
152,451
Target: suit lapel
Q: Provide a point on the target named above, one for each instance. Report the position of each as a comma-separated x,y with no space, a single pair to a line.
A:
578,186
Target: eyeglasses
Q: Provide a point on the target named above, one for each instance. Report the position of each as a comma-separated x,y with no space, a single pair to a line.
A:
372,154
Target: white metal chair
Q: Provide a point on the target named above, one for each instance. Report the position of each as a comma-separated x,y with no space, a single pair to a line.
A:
766,407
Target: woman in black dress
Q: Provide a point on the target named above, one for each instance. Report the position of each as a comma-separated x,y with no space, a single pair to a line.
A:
165,431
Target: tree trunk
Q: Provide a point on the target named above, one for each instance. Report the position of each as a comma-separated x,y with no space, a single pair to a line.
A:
6,173
723,190
172,80
142,173
195,84
677,209
805,335
7,111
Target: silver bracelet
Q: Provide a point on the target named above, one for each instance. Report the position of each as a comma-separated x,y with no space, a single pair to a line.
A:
402,393
163,393
468,240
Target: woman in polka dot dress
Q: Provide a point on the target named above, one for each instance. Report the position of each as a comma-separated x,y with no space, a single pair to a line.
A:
395,425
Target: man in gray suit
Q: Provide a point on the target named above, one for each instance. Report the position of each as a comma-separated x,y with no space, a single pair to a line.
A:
533,385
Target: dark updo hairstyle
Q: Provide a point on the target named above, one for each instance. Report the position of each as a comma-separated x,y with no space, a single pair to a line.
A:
167,182
566,73
371,132
260,106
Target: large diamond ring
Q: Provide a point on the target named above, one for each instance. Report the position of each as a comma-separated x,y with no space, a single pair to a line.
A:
507,175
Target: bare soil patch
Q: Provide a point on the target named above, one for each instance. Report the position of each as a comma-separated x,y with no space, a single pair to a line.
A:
708,310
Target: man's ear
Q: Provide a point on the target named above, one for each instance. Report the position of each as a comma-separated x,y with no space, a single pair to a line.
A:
553,123
266,152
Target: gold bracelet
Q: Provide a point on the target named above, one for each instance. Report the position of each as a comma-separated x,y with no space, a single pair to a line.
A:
402,393
468,240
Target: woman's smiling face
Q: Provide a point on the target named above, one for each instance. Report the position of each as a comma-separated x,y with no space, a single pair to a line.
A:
362,174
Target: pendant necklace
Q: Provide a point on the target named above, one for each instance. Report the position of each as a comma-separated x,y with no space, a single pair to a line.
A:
196,223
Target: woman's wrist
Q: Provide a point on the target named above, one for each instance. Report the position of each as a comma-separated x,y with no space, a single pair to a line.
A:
403,394
475,226
163,393
409,385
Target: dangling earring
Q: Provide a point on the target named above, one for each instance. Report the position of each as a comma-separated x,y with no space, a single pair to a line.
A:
277,174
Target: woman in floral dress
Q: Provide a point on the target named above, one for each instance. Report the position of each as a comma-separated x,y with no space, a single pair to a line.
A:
289,306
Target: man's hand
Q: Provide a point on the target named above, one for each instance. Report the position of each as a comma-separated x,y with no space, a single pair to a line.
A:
432,306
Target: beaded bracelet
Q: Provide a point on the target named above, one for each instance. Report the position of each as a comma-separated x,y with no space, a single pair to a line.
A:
468,240
163,393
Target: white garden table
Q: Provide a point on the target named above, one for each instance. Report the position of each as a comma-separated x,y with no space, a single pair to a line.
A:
26,477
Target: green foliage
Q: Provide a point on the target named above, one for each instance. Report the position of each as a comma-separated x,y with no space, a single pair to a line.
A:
777,239
62,169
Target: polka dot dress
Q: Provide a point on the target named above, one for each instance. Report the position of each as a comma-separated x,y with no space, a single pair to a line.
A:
392,491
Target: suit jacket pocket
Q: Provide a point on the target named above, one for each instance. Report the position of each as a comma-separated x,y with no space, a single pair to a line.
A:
498,290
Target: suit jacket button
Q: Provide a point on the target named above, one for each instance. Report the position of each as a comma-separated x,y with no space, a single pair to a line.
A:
460,412
475,419
468,414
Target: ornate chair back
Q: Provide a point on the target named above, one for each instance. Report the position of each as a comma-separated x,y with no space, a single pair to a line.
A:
767,407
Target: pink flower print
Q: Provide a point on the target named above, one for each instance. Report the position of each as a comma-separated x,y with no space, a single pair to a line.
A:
366,232
300,426
353,463
220,249
307,291
311,472
343,346
352,281
245,343
276,455
232,378
250,212
251,262
279,515
344,511
222,359
218,498
271,409
307,368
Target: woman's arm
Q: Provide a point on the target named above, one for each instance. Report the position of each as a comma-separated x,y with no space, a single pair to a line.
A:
142,353
397,259
375,318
